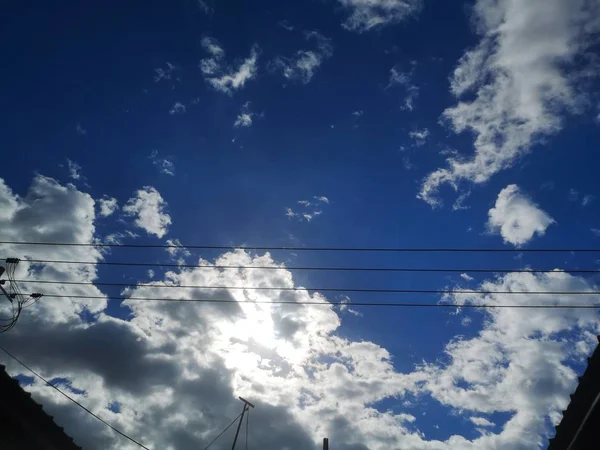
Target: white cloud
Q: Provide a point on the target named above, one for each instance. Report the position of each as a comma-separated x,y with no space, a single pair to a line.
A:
221,76
302,66
178,108
74,169
357,113
176,248
148,208
516,217
367,14
419,136
309,209
595,231
164,165
517,84
108,205
482,422
404,79
466,277
179,366
245,117
51,212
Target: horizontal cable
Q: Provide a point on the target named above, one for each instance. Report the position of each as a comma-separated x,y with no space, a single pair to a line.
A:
322,289
341,269
318,303
317,249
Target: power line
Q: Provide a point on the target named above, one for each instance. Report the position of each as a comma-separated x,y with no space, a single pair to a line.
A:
222,432
72,399
332,303
317,268
320,289
321,249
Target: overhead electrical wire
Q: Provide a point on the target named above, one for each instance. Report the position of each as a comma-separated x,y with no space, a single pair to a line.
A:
72,399
319,289
223,432
317,268
321,249
329,303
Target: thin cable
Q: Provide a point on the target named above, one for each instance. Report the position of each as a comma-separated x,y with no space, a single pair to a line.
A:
320,289
223,432
349,269
314,249
339,303
72,399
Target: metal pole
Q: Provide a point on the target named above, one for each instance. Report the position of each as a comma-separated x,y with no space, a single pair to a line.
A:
247,406
238,428
325,444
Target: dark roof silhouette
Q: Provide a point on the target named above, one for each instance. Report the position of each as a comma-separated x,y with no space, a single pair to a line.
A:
578,429
23,421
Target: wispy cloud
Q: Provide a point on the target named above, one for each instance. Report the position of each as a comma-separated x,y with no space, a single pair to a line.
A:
303,65
404,79
164,73
367,14
178,108
286,25
308,209
224,77
164,164
419,136
245,117
80,130
74,169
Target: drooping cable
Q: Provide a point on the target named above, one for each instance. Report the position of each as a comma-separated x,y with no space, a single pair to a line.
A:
73,400
223,432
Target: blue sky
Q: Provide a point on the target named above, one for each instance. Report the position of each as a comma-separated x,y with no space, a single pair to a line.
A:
338,123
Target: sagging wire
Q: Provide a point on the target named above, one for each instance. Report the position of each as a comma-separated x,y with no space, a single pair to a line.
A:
18,301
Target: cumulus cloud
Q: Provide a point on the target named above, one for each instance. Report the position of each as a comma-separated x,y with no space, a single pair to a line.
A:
516,218
367,14
108,205
148,209
225,77
163,164
303,65
307,209
176,368
516,85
